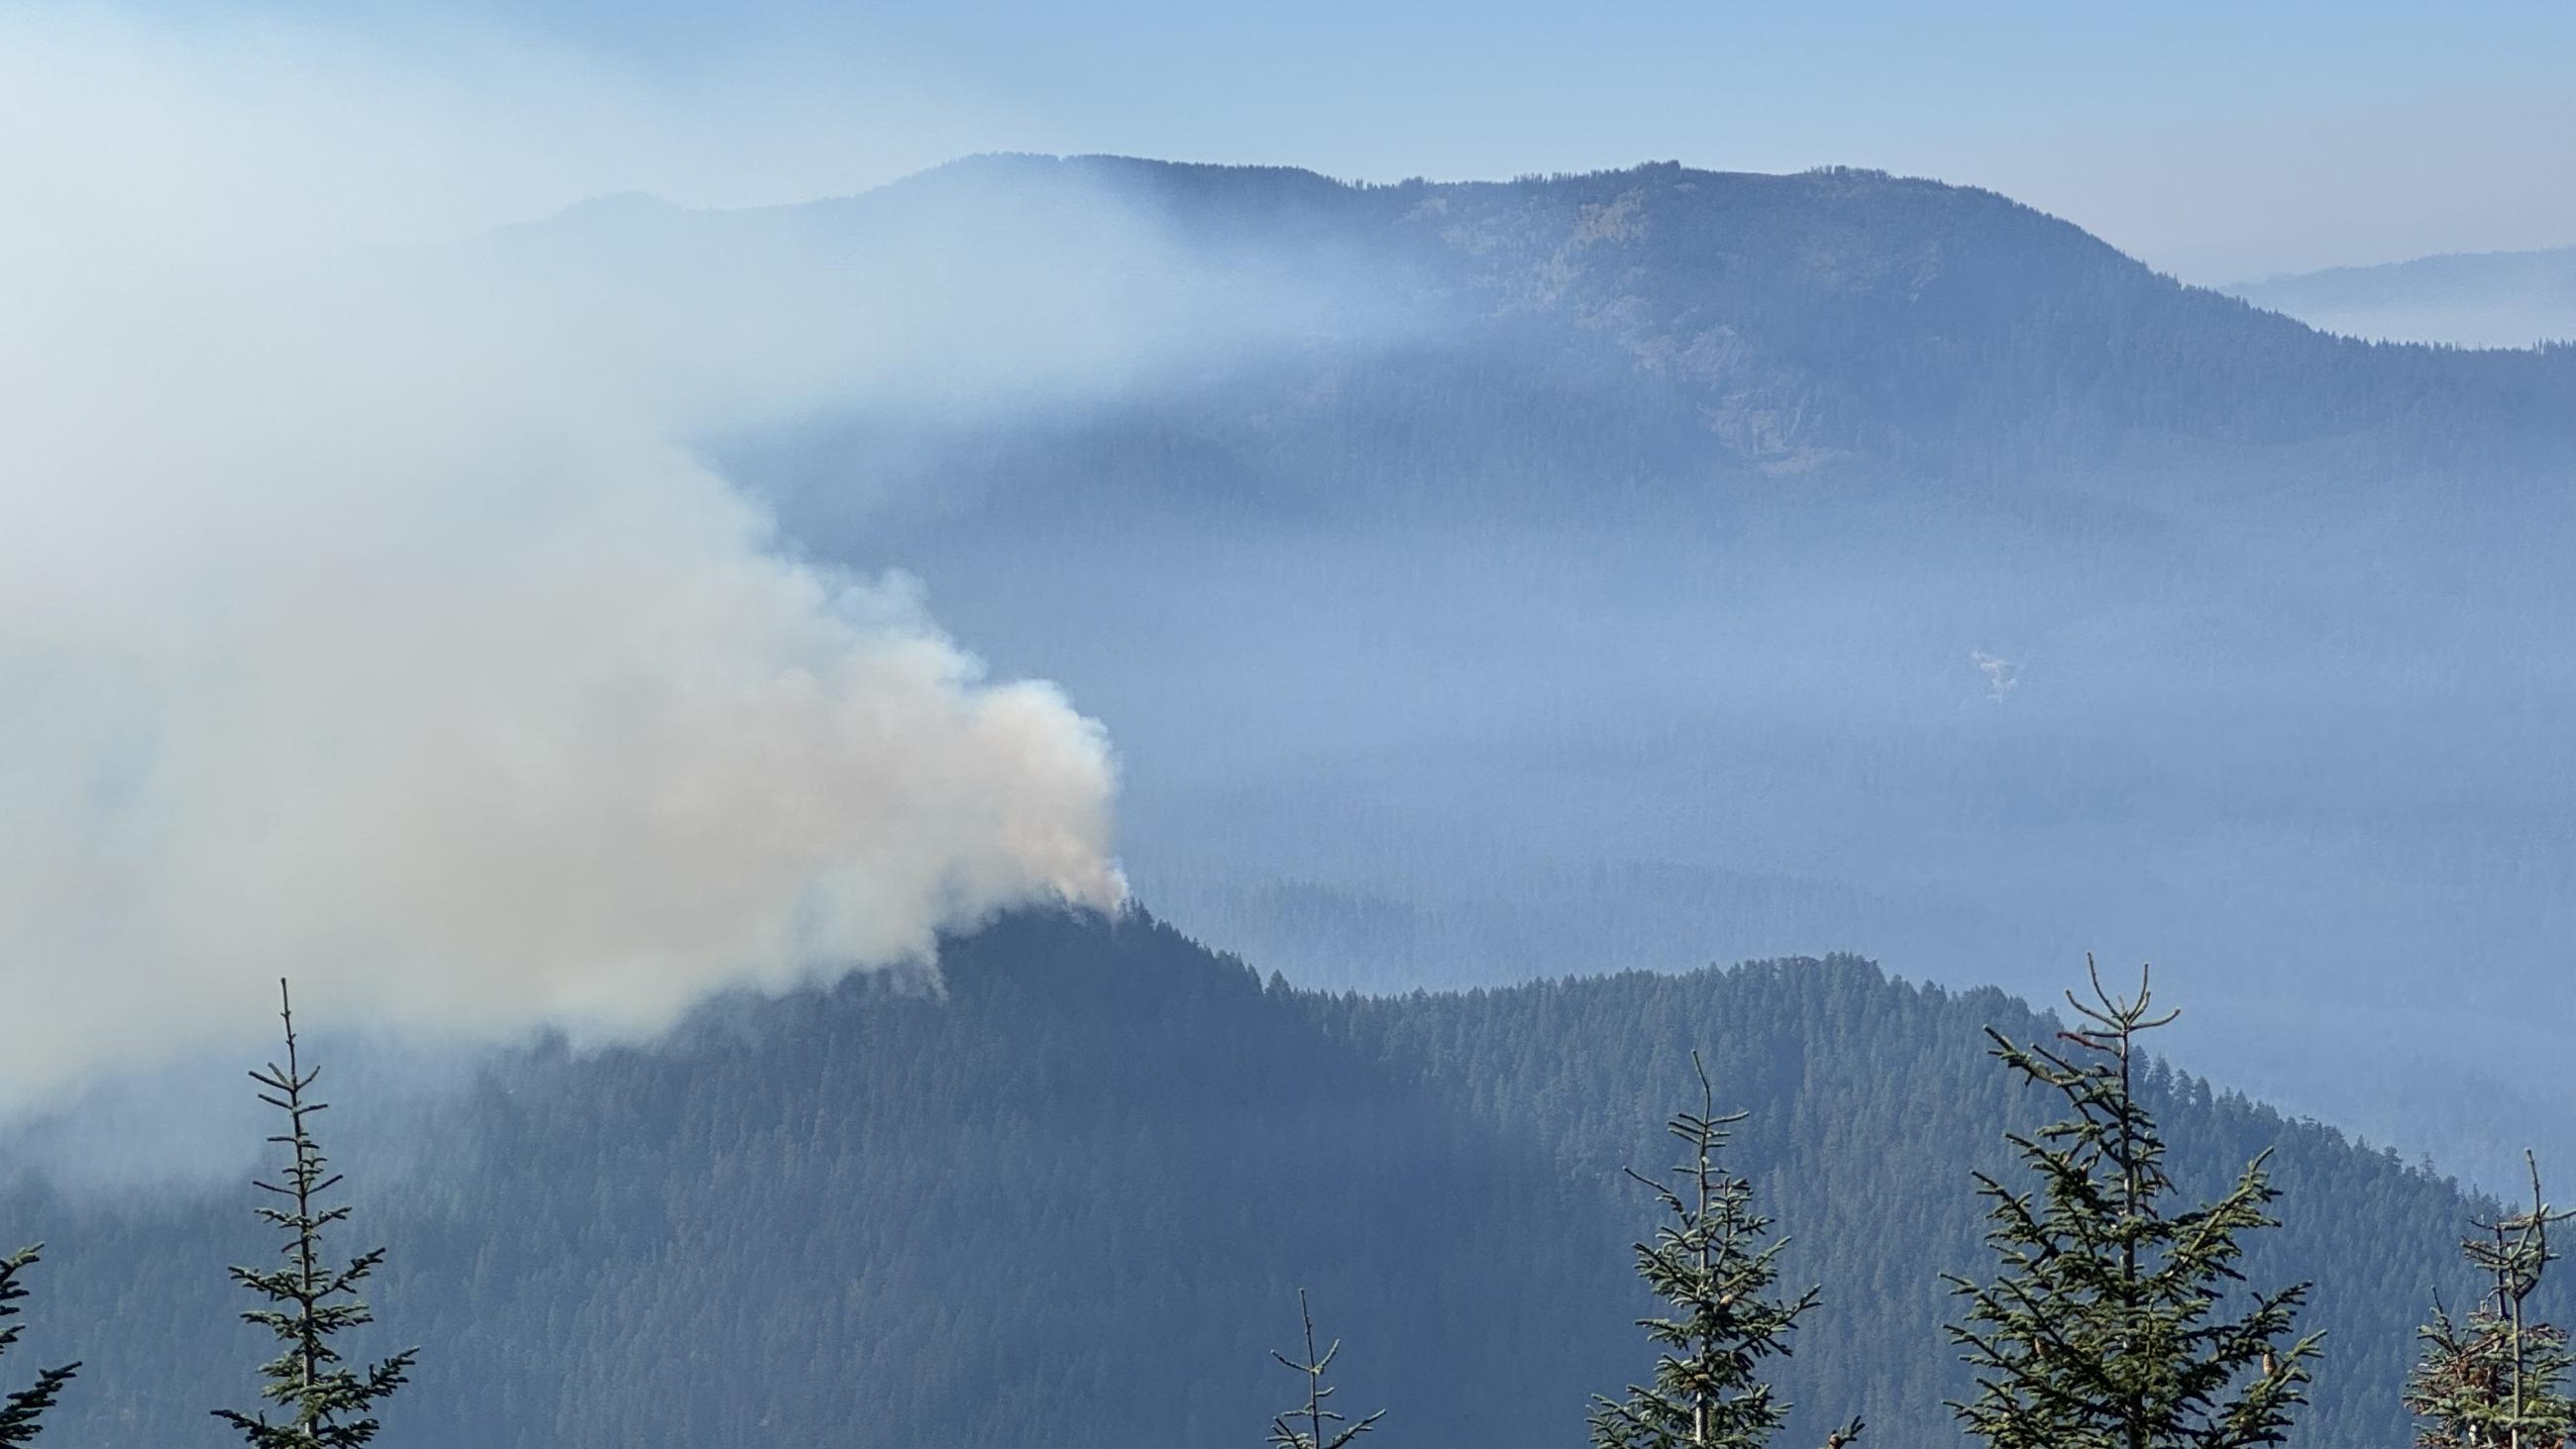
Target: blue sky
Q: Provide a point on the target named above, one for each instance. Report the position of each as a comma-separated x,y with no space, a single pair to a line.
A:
2217,140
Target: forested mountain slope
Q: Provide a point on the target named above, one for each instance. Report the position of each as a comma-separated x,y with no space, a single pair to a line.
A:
1526,343
1067,1198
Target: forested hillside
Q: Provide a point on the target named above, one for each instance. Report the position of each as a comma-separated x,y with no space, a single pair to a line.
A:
1066,1195
1555,344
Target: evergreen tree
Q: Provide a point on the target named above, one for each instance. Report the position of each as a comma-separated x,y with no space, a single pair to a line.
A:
2114,1323
325,1405
2492,1381
1710,1262
22,1411
1320,1428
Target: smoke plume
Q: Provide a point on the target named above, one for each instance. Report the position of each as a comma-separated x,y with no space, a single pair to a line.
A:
370,616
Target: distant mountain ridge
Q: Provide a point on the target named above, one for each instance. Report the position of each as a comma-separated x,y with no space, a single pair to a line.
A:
1798,318
1723,321
2479,299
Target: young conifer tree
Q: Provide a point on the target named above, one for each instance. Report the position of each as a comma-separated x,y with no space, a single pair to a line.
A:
2493,1381
322,1404
22,1412
1313,1424
1709,1260
2114,1322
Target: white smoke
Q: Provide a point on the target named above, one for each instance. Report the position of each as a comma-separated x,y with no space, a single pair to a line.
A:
368,618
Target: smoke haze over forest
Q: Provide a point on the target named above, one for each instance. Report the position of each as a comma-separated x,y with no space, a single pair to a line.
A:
1772,628
929,705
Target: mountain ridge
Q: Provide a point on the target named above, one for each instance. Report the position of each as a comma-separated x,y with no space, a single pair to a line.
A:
1747,294
2521,300
1079,1186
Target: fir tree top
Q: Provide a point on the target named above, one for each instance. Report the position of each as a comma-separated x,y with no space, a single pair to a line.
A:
2112,1322
1709,1260
1314,1424
328,1405
2493,1380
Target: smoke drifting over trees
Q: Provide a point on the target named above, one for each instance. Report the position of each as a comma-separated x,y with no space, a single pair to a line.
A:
375,616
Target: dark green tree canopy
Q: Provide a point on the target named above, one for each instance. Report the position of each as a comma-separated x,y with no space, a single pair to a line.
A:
2113,1321
2492,1381
1710,1262
22,1410
843,1217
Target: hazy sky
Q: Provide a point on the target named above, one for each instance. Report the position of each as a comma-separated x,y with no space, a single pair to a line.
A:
2220,141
